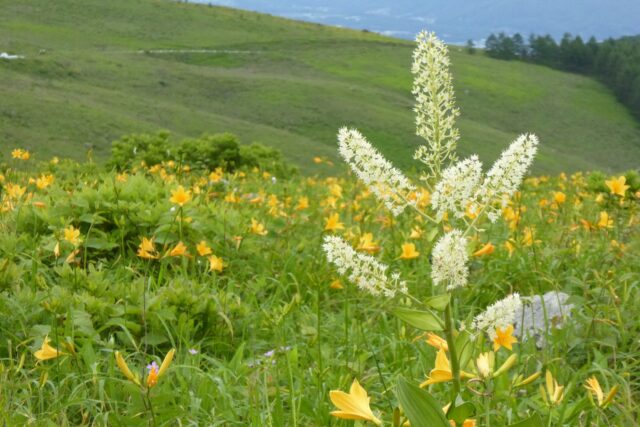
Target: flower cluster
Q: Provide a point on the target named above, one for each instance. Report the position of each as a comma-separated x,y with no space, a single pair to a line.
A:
506,174
456,189
364,270
450,260
435,102
500,314
387,182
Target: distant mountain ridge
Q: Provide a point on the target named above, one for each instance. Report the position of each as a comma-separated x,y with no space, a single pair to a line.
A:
459,20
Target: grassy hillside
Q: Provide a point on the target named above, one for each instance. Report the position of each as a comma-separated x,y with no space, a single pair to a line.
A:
284,83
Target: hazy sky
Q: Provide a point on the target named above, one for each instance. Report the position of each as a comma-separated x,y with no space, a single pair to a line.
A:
459,20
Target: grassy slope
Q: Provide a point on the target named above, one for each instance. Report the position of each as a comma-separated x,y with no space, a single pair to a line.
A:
296,85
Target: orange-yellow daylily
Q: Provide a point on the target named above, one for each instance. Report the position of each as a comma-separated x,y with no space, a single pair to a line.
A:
203,249
520,381
124,368
442,371
336,284
485,363
303,203
147,249
485,250
14,191
156,373
504,338
180,196
215,264
617,185
354,405
178,250
367,244
593,386
553,393
20,154
605,221
258,228
528,237
437,341
332,223
409,251
72,235
44,181
46,351
216,176
559,197
416,233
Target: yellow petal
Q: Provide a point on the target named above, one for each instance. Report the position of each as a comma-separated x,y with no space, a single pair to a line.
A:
166,362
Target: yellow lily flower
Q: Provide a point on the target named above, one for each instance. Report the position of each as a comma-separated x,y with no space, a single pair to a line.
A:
593,386
155,373
485,250
367,244
409,251
20,154
72,235
179,196
416,233
504,338
215,264
147,250
258,228
203,249
484,364
354,405
617,185
333,223
178,250
520,382
442,371
554,392
47,352
605,221
437,341
303,203
336,284
124,368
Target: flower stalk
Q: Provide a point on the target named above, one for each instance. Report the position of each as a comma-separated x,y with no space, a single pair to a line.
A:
455,364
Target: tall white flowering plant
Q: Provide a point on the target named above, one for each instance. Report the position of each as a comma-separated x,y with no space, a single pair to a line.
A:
461,193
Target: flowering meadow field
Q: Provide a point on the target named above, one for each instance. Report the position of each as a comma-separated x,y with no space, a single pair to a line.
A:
166,290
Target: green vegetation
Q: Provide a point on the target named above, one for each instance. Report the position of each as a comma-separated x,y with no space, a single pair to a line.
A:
614,62
264,332
290,85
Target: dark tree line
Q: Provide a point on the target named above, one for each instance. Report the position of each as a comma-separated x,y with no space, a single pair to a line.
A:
615,62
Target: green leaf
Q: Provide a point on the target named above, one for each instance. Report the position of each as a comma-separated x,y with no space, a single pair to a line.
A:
99,243
532,421
461,412
431,235
418,405
424,320
576,409
439,302
464,348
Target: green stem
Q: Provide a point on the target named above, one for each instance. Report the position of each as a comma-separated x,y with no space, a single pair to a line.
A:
455,367
487,408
